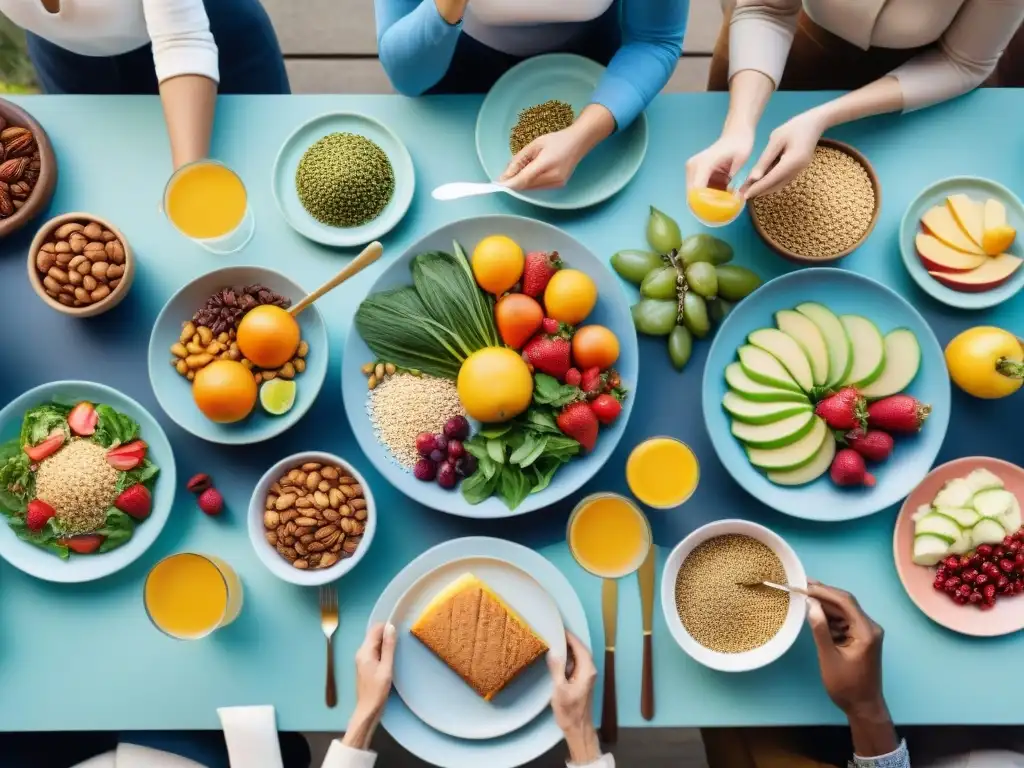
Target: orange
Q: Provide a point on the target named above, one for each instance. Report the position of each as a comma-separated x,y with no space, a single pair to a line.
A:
497,263
570,296
268,336
714,206
595,345
495,385
225,391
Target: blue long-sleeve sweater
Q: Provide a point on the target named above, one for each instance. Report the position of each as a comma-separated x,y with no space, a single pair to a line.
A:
416,46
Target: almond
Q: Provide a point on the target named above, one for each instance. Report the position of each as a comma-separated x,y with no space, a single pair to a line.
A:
13,132
21,146
6,204
12,170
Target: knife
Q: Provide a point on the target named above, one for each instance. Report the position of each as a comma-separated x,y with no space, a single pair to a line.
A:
646,577
610,611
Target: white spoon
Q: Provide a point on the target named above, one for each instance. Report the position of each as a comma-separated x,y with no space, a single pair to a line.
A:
459,189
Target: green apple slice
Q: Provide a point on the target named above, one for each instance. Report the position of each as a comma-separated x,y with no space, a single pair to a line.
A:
929,550
938,525
902,361
955,493
810,471
745,386
868,350
806,333
794,455
993,503
983,480
765,369
1011,520
965,517
777,433
840,351
784,348
963,544
988,531
753,412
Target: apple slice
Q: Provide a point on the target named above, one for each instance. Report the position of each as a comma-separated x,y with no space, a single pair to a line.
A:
997,236
991,274
935,254
968,215
939,222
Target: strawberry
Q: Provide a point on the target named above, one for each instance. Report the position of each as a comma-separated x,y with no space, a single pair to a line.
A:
578,421
85,544
550,325
135,501
592,383
199,483
607,408
83,419
848,469
898,413
843,410
211,502
873,445
47,447
38,514
550,351
126,457
537,271
573,377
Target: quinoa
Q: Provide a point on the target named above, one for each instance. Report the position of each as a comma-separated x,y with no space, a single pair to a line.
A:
79,484
402,406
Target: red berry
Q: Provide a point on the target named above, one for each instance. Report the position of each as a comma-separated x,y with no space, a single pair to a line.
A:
1006,566
987,606
981,580
965,561
941,570
425,469
1002,582
969,575
952,583
953,564
976,560
999,552
939,583
960,599
984,550
991,569
976,597
1019,535
199,483
1007,540
211,502
965,590
1014,547
989,591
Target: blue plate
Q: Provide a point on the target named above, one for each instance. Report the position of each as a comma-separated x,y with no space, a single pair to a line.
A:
44,565
174,392
518,747
936,194
844,293
611,311
571,79
287,164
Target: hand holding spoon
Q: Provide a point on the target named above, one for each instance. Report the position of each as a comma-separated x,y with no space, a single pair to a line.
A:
459,189
370,254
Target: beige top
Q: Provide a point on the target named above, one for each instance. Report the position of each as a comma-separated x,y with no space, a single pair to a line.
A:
970,36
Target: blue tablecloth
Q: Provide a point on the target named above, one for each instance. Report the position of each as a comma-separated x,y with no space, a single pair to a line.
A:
86,657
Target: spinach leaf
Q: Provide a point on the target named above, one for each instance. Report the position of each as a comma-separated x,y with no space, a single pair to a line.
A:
513,487
118,529
479,487
144,473
547,390
17,482
114,427
40,421
48,538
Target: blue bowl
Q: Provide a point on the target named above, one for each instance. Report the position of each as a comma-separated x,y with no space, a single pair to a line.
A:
572,79
44,565
611,311
174,392
844,293
936,194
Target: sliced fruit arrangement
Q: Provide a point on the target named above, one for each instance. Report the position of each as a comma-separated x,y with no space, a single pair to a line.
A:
816,380
685,284
963,244
972,532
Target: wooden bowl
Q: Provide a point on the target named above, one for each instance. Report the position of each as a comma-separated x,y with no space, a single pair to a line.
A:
39,198
90,310
817,262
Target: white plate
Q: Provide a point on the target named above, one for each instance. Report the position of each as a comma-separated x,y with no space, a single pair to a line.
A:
518,747
422,679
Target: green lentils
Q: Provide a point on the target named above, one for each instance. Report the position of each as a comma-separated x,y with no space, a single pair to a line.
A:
538,120
345,180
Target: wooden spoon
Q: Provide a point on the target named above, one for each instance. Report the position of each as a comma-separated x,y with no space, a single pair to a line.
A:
370,254
773,585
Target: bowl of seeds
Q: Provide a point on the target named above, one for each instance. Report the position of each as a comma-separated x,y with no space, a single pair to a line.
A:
343,179
715,605
826,212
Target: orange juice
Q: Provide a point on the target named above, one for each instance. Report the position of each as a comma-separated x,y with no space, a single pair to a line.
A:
205,200
714,207
608,535
662,472
189,596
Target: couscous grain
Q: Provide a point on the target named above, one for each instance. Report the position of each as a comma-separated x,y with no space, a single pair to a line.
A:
80,485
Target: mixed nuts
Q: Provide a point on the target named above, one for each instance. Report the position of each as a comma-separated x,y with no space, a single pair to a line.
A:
198,346
19,167
80,263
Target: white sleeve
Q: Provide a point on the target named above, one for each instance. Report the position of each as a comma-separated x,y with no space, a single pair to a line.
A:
760,36
604,761
964,56
182,42
342,756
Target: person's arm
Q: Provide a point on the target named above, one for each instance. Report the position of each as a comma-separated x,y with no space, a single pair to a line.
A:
185,56
416,40
761,33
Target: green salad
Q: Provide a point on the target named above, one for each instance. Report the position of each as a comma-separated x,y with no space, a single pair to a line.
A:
76,479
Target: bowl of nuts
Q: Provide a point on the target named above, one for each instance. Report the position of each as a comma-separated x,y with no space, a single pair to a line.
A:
28,168
80,264
311,518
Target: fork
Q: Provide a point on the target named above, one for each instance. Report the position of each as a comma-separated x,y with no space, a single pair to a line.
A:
329,623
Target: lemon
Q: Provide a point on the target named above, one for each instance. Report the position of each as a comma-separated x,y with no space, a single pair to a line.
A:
277,396
497,263
495,385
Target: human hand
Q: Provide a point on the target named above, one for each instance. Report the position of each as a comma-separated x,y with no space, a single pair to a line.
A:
374,664
547,162
573,698
718,164
790,149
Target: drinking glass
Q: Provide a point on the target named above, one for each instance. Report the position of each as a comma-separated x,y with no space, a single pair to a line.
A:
685,468
207,196
189,596
631,561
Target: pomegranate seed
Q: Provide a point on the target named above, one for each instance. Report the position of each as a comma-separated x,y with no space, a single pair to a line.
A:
982,580
965,590
1018,587
991,569
1006,566
969,575
984,550
976,597
976,560
999,552
1007,540
964,561
1014,546
960,600
941,570
1019,535
1002,582
939,583
987,606
989,591
953,564
952,582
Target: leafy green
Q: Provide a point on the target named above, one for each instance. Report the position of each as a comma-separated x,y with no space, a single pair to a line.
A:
547,390
144,473
113,427
117,530
40,421
17,483
48,538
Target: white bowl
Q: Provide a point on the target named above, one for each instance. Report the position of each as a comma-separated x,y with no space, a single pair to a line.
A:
758,657
270,556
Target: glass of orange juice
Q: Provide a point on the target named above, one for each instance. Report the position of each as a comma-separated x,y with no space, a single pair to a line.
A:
662,472
608,535
714,207
207,202
189,596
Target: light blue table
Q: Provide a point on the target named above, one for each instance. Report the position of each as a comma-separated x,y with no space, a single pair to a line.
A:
85,657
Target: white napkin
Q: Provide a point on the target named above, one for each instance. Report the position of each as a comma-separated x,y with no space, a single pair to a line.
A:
251,735
134,756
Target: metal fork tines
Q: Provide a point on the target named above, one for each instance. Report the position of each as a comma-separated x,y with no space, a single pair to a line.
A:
329,623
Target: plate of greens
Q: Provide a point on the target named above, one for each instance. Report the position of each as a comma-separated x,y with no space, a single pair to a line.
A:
457,412
86,481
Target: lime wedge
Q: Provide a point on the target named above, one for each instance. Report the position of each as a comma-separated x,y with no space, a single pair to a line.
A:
277,396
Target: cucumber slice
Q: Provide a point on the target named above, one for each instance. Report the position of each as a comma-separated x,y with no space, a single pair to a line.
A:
924,509
902,361
776,434
784,348
810,471
983,480
1011,520
955,493
753,412
965,517
763,368
988,531
929,550
745,386
992,503
938,525
840,351
807,334
963,544
794,455
868,350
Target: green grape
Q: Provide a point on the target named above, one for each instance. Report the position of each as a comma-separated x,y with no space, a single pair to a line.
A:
719,308
705,247
654,317
661,284
663,233
736,282
633,266
695,315
702,279
680,345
